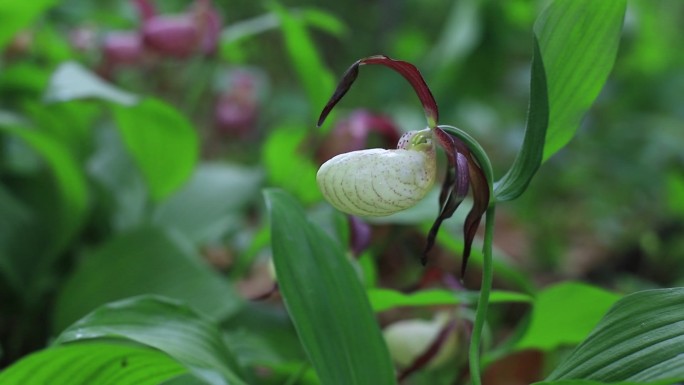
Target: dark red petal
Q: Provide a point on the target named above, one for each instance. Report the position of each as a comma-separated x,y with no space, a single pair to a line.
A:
480,204
454,188
411,73
347,80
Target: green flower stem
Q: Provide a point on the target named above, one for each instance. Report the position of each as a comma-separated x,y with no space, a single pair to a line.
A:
483,302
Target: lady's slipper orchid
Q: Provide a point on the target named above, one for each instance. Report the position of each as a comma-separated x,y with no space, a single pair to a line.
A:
418,343
346,176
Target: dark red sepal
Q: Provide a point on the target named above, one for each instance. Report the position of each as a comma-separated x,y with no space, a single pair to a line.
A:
348,79
413,76
405,69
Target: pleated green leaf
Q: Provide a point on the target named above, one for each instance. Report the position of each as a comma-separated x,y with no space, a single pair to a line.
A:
93,363
175,329
586,382
575,44
325,299
640,339
162,141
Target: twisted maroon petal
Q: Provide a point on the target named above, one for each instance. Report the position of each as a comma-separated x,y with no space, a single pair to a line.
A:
455,186
480,203
463,173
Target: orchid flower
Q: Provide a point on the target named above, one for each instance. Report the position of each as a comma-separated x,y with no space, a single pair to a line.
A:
344,187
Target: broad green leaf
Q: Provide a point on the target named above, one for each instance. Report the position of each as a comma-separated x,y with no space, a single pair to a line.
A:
72,81
317,80
175,329
325,299
16,15
208,205
530,155
294,373
579,41
119,184
263,334
289,165
24,79
69,180
16,219
144,261
69,123
575,45
675,193
385,299
162,141
186,379
52,44
565,314
93,363
640,339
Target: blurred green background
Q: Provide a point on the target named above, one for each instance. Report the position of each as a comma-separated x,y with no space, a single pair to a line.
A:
102,198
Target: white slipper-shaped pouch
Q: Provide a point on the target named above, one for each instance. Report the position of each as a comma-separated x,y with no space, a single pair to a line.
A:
379,182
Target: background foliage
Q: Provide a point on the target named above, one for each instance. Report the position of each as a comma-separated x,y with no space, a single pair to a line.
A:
133,228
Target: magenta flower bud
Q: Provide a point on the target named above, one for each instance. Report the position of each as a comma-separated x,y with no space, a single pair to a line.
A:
174,36
146,9
196,31
208,22
83,39
233,115
236,110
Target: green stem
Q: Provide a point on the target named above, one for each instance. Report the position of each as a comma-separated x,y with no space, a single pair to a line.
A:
483,302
